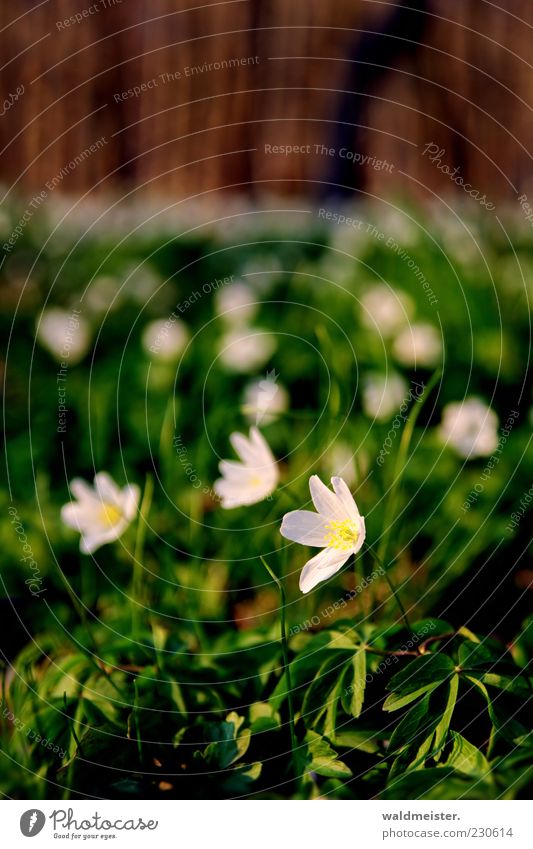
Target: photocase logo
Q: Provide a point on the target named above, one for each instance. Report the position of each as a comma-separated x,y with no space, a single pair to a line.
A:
32,822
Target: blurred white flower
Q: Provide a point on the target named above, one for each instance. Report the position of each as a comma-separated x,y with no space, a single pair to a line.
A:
251,479
66,335
265,399
397,224
337,527
418,345
101,513
382,395
245,349
470,428
165,339
340,458
385,308
236,303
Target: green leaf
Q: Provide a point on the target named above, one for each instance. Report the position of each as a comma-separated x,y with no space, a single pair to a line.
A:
330,723
354,683
364,741
396,700
426,670
442,728
518,686
466,758
437,783
321,692
502,708
478,655
420,721
323,759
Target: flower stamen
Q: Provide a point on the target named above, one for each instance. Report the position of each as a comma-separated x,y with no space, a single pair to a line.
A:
110,515
341,535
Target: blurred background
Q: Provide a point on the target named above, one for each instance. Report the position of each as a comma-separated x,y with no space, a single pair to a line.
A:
222,79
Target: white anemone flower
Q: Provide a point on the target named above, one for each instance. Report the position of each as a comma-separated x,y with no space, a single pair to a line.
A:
383,395
66,335
165,340
265,400
101,513
337,528
244,349
386,309
418,345
251,479
341,458
470,428
236,303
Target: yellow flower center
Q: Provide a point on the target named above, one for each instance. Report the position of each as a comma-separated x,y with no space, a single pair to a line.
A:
341,535
110,515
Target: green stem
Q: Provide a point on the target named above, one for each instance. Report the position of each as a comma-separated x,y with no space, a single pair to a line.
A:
393,589
400,464
287,670
138,555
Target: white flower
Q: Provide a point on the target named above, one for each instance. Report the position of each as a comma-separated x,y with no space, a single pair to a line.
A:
101,514
65,334
382,395
337,528
470,427
265,399
341,458
251,479
165,340
385,309
244,349
236,303
418,345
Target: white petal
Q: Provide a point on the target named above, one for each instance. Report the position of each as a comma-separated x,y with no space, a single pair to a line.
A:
89,543
305,527
81,490
233,471
322,566
346,497
72,515
243,448
263,448
130,497
325,501
107,490
98,536
362,534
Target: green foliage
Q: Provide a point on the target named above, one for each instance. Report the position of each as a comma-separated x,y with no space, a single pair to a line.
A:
199,701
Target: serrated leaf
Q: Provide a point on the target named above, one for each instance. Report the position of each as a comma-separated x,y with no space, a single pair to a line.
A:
418,723
323,759
466,758
428,669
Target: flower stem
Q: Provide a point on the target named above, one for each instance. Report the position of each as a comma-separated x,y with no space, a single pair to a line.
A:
138,555
286,667
393,589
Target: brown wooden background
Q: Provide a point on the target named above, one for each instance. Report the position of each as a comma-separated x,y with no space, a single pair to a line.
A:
460,75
